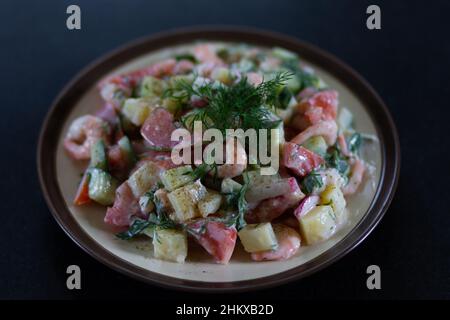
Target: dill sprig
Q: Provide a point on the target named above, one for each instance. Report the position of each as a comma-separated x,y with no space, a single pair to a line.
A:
237,200
240,105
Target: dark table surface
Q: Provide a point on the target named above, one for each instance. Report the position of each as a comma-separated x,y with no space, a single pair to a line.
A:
407,62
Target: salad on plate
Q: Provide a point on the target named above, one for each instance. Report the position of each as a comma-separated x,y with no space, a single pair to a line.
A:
130,146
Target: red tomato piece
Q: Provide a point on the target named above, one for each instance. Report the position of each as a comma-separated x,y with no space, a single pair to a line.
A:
82,195
300,160
125,206
216,238
320,106
158,128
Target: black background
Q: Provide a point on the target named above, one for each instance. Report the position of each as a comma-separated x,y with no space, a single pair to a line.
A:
406,62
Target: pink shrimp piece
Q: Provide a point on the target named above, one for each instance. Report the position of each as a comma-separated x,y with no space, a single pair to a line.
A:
83,133
206,53
183,66
326,129
272,208
254,78
161,69
357,174
114,89
289,242
235,166
343,145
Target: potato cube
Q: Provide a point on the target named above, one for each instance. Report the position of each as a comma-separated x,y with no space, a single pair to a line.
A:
152,87
184,201
144,178
258,237
333,196
210,203
318,224
170,245
136,110
176,177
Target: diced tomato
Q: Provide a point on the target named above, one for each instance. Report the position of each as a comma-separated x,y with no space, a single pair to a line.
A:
158,127
317,107
216,238
116,158
82,196
124,208
299,159
130,79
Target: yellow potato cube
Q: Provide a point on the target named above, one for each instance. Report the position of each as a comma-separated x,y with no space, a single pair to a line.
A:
144,178
318,225
136,110
210,203
176,177
258,237
184,201
170,245
333,196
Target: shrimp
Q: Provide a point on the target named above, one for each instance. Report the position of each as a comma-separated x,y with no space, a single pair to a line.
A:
83,133
183,66
326,129
272,208
358,169
343,145
254,78
232,167
116,88
289,242
206,53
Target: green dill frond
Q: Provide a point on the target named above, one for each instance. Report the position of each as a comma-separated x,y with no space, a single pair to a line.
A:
240,105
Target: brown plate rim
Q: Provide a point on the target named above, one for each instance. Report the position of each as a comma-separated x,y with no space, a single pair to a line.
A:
61,107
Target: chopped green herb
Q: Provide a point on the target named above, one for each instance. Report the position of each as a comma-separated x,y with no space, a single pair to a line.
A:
185,56
305,79
354,142
240,105
161,149
311,182
136,228
202,170
335,159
